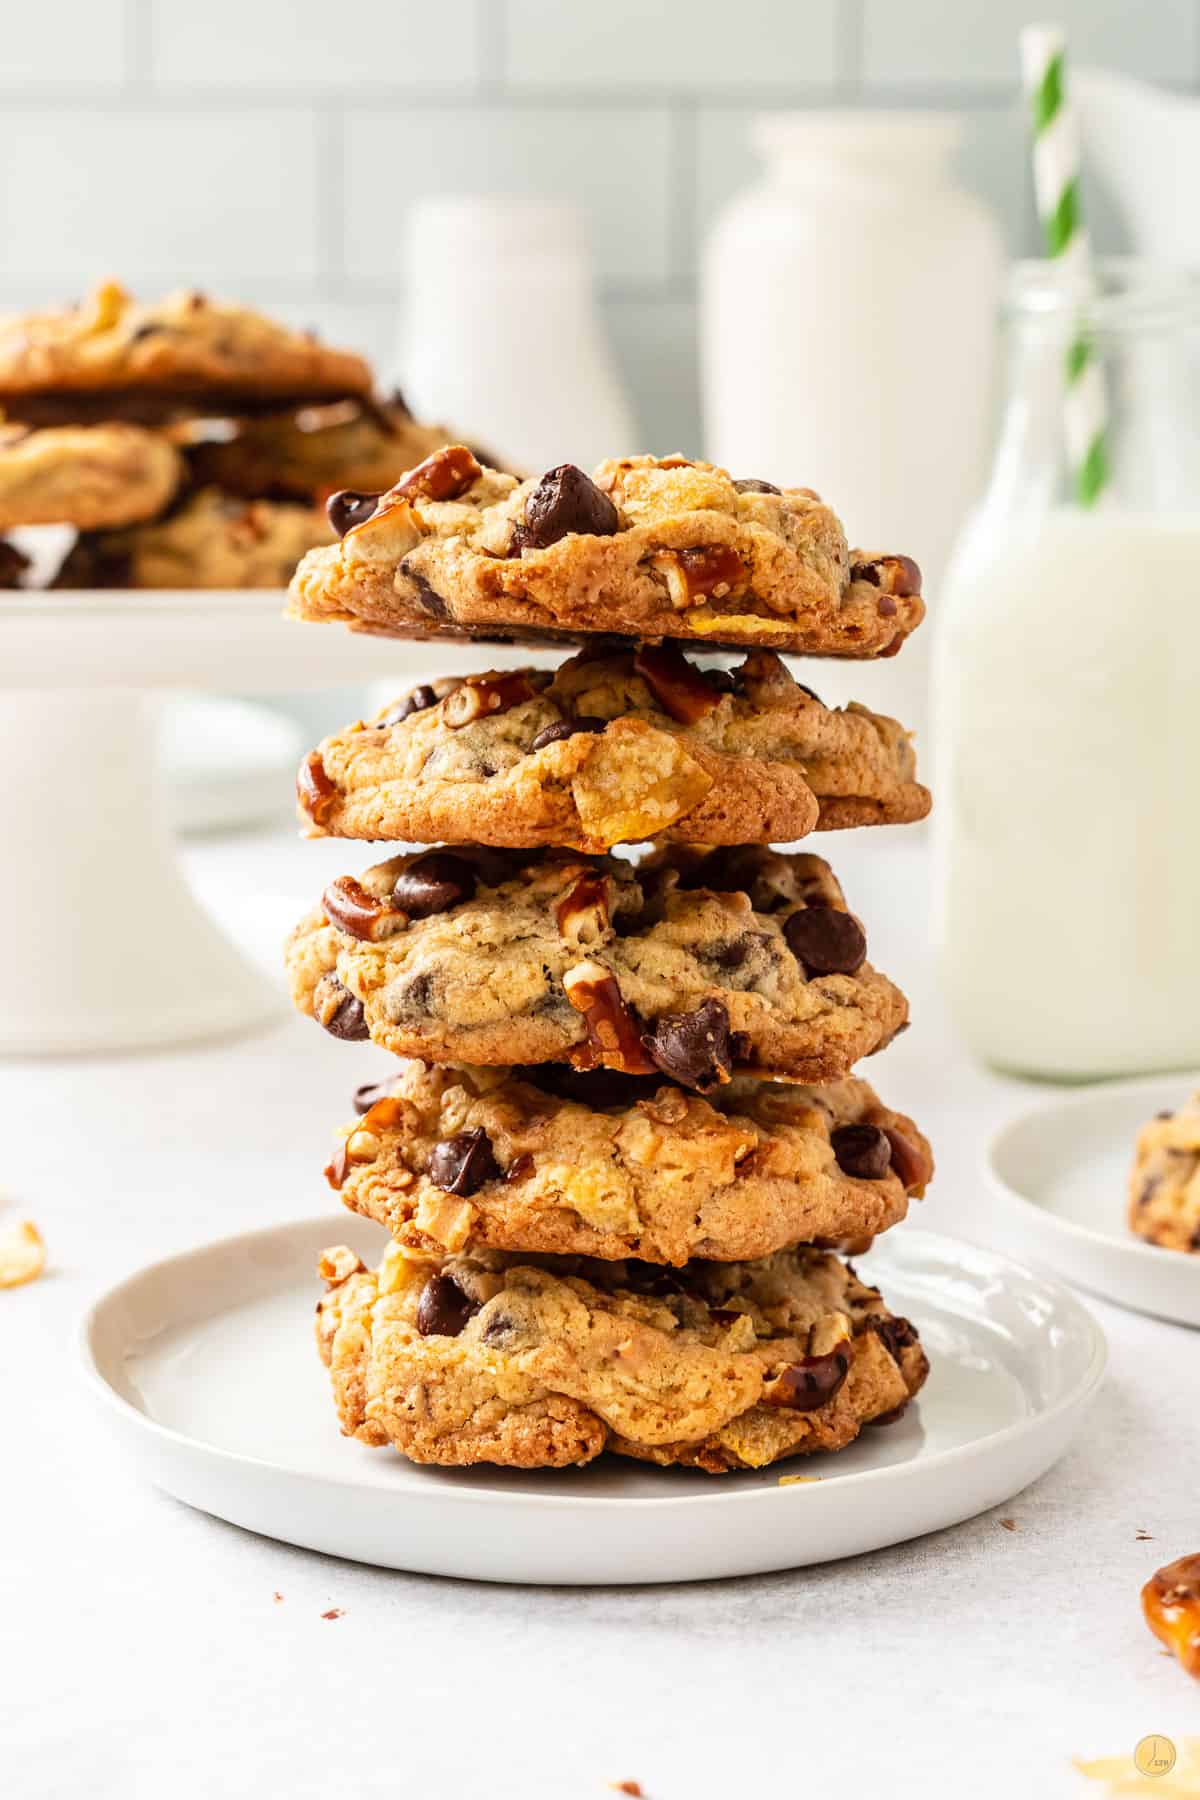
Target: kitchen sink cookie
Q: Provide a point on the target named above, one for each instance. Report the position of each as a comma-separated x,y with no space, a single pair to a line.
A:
184,352
540,1363
89,476
212,540
1164,1183
564,1162
690,965
617,746
649,547
308,455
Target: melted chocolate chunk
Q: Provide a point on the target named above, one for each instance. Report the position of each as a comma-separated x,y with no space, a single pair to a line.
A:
826,941
419,699
598,1088
443,1309
425,597
433,884
346,509
371,1091
694,1048
462,1165
347,1020
897,1334
862,1151
565,500
813,1381
565,728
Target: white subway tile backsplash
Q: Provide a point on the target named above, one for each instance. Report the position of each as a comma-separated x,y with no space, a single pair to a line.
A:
614,164
913,41
703,44
64,43
164,197
312,44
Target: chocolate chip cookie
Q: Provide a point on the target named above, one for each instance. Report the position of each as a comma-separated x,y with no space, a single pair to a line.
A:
1164,1183
540,1363
650,547
89,476
565,1162
212,540
184,352
687,964
617,746
309,454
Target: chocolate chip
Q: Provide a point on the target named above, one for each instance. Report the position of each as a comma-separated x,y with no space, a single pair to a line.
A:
443,1308
520,1168
749,484
347,1020
862,1151
826,941
897,1334
563,501
433,884
599,1089
813,1381
693,1048
865,572
721,680
420,699
371,1091
565,728
497,1328
425,597
463,1164
346,509
1150,1187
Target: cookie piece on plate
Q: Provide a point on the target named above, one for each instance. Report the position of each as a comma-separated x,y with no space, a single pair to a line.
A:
689,965
1164,1183
307,455
616,746
186,351
649,547
89,476
565,1162
541,1363
212,540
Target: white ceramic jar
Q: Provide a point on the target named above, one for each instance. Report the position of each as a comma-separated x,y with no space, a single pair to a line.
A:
848,324
502,339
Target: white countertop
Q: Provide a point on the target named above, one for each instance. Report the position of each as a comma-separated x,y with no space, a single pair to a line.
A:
144,1652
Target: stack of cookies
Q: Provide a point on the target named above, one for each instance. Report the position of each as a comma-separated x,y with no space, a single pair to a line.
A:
190,443
623,1154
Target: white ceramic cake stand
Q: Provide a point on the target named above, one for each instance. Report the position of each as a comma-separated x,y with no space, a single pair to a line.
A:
104,946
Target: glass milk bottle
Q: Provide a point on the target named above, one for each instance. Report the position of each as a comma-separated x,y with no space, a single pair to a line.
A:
1067,700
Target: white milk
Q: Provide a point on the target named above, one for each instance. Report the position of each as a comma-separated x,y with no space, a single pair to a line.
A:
1068,798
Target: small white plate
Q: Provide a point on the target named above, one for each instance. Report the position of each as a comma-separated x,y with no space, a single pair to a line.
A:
210,1378
1061,1169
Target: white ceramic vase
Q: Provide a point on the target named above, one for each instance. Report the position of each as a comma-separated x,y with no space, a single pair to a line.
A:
848,319
502,339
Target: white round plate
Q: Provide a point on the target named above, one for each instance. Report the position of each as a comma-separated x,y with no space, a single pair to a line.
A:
1061,1170
210,1378
228,764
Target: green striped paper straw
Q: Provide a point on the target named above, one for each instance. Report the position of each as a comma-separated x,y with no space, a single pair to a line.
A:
1056,161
